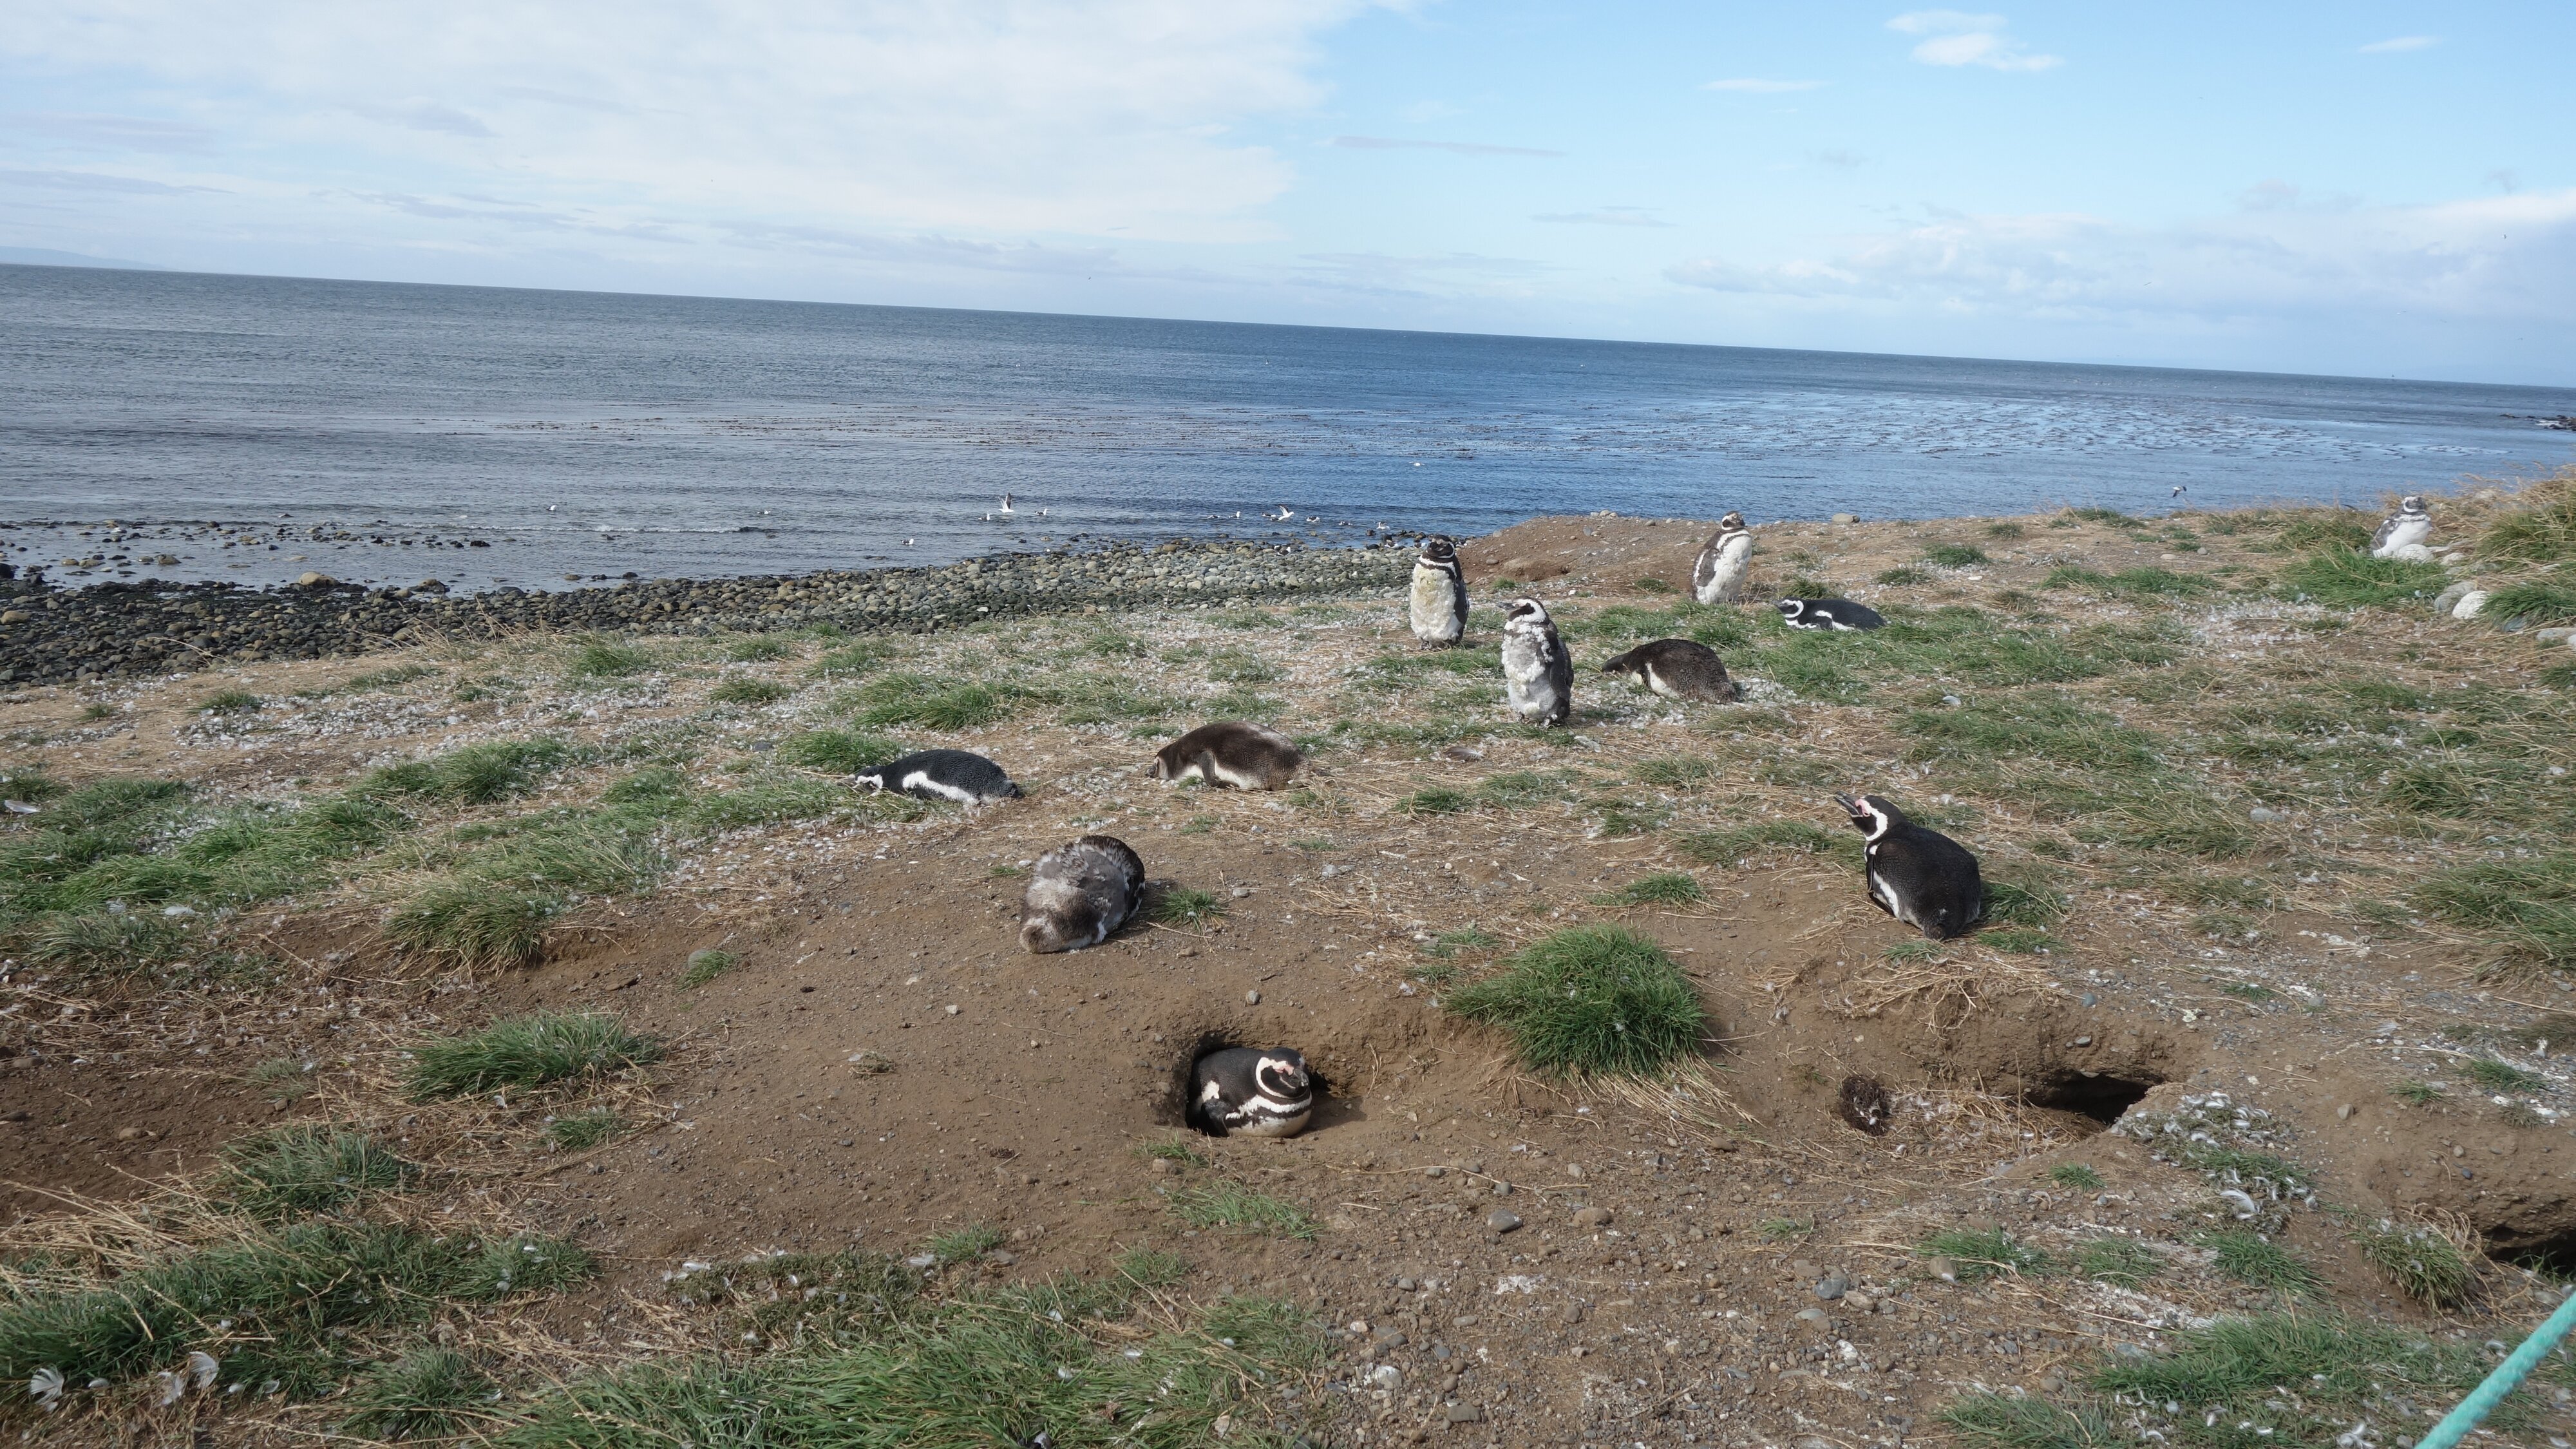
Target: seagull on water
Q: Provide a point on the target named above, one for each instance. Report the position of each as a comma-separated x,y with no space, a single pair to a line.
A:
1005,510
1284,514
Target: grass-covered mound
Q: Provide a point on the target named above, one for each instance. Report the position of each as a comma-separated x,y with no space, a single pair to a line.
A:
1590,1001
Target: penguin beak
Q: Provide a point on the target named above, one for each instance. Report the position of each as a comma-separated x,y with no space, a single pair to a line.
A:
1850,806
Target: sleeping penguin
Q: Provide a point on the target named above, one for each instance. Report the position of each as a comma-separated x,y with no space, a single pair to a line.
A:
1839,614
1438,605
959,775
1080,893
1251,1092
1918,875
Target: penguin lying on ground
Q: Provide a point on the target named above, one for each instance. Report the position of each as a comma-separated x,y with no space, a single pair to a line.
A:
1251,1092
1439,600
2407,528
1918,875
1230,752
1718,576
1676,669
1080,893
959,775
1538,675
1840,614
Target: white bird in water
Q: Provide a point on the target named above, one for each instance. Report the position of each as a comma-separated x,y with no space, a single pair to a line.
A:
1283,515
1005,510
2179,490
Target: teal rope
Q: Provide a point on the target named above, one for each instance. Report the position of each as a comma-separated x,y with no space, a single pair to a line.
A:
2507,1377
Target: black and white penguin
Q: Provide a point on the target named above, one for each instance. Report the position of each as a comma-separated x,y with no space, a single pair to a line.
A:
1538,675
959,775
1230,752
1251,1092
2407,528
1839,614
1080,893
1676,669
1916,874
1439,599
1718,576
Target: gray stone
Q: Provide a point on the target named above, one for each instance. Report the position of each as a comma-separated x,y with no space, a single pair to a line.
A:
2449,598
1593,1217
1502,1221
2469,605
1464,1414
1815,1318
2265,815
1832,1288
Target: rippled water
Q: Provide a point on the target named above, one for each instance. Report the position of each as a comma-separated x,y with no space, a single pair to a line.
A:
590,434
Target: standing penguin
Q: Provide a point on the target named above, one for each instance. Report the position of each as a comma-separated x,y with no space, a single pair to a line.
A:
1538,675
1439,600
1251,1092
1718,576
2407,528
1916,874
1080,893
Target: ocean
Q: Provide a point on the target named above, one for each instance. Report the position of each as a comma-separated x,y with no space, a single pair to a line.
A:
253,428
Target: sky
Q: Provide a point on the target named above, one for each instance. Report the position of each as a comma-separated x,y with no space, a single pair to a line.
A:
2351,188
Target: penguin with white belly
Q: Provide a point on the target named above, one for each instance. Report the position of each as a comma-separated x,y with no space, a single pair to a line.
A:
1916,874
1538,675
1439,599
2407,528
958,775
1718,575
1251,1092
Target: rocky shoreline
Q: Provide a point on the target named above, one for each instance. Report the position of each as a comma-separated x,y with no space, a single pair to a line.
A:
123,631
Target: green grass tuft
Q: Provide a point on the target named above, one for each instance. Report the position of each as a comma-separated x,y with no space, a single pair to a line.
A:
584,1130
971,1241
758,649
708,964
427,1393
2416,1093
2526,907
2249,1257
1742,842
608,659
838,752
1982,1254
2498,1075
2346,578
282,1079
753,692
1671,771
2022,904
2075,1174
1233,1205
1436,800
1954,555
1589,1001
2420,1263
1664,888
526,1051
1151,1268
2120,1262
1990,1420
1184,906
307,1169
229,701
2540,531
2018,940
2536,602
474,775
917,699
1174,1148
2138,583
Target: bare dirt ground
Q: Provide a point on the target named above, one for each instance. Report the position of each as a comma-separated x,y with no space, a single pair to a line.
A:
885,1064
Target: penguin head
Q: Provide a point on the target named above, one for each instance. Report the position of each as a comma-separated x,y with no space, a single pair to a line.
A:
1525,614
2411,503
1621,663
1871,815
1791,608
1439,551
875,780
1281,1076
1731,522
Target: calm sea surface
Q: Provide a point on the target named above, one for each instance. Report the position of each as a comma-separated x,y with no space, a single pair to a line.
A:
376,431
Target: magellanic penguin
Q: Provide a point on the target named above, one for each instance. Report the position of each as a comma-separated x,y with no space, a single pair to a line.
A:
1538,675
1080,893
1838,614
1230,752
959,775
1251,1092
1718,576
1918,875
1439,600
1676,669
2407,528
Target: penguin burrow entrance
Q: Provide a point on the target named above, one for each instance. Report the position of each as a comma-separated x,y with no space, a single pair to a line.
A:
1174,1109
2101,1095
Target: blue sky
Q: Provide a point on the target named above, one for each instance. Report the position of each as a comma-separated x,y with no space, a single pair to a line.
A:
2353,188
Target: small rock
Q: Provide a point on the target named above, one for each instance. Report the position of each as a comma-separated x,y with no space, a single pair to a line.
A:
1804,1268
314,581
131,1134
15,616
1594,1217
1846,518
953,1010
2344,1112
1465,1414
1391,1338
1387,1376
1252,998
1570,1313
1165,1167
2553,635
1403,1285
2449,598
1815,1318
2469,605
1435,1171
1832,1288
1239,892
2265,815
1944,1269
1860,1303
1502,1222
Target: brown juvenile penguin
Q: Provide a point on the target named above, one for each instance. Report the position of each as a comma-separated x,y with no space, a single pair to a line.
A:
1230,752
1677,669
1080,893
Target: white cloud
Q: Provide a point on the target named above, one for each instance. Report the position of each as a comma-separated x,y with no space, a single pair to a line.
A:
1956,37
1604,216
980,116
1455,148
2486,259
2398,44
1749,85
93,131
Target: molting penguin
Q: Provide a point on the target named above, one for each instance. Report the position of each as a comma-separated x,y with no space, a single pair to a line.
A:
1918,875
1251,1092
2407,528
1230,752
1080,893
1538,675
959,775
1676,669
1718,576
1839,614
1439,599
